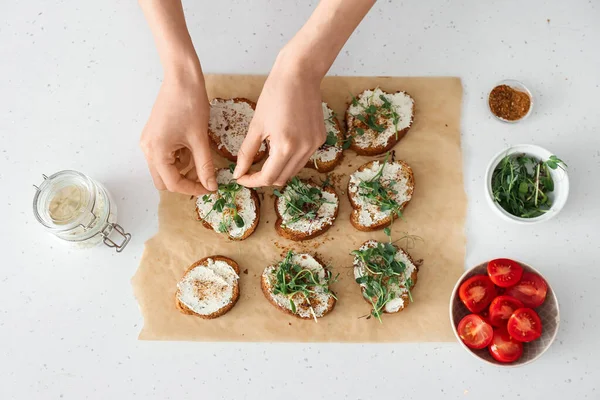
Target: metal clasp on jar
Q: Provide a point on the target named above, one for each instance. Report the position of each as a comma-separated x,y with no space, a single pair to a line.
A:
108,229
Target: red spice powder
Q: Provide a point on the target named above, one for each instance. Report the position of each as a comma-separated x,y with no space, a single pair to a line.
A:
508,103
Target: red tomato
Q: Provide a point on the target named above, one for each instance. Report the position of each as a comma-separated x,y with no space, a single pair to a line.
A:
475,332
502,308
486,316
504,272
531,290
524,325
477,293
504,348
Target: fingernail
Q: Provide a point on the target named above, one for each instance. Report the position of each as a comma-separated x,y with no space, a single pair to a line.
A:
236,173
212,184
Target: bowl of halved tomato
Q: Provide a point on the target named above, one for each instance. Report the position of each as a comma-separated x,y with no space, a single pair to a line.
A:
504,312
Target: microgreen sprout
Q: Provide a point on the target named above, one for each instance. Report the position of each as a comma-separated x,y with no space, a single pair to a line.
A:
291,279
225,204
520,184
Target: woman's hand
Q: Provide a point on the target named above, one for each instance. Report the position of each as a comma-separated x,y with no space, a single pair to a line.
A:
289,112
178,125
290,116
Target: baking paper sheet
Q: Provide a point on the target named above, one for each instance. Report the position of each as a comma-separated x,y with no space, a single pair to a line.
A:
436,214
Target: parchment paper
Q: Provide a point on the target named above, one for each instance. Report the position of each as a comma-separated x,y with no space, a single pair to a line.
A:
436,214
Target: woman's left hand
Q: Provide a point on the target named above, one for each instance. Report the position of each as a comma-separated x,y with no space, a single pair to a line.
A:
290,116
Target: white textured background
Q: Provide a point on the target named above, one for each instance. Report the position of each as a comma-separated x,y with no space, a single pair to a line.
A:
77,80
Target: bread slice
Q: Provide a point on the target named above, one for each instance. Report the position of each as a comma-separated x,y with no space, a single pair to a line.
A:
247,207
397,177
291,226
316,305
228,125
209,288
393,117
401,297
329,155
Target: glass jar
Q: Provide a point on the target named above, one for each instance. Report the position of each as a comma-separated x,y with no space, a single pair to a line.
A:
79,210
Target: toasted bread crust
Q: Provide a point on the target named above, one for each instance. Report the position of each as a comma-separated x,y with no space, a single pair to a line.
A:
404,297
328,166
389,219
295,236
249,231
265,289
216,142
374,150
236,289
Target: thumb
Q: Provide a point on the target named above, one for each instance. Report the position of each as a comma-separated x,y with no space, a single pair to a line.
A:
248,150
203,160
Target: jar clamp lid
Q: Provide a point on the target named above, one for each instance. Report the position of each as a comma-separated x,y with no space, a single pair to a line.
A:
79,210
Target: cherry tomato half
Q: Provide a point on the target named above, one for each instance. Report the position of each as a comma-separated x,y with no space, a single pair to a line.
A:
502,308
504,272
504,348
477,293
485,314
524,325
531,290
475,332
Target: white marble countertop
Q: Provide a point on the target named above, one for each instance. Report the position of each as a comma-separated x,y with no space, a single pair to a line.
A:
77,80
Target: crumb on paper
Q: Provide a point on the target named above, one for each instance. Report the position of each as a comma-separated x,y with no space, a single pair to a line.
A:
548,20
246,271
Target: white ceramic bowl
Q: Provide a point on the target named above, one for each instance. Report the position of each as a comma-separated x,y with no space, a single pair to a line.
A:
560,177
549,314
517,85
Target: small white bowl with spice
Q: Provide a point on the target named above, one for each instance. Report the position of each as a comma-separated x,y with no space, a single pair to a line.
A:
526,184
510,101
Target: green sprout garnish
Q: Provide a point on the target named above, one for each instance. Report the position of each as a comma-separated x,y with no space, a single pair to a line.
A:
302,201
332,139
372,113
520,184
225,203
292,279
380,193
382,272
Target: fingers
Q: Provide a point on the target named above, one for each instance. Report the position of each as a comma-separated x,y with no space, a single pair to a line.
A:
158,182
248,150
175,182
205,168
183,160
192,175
294,165
270,171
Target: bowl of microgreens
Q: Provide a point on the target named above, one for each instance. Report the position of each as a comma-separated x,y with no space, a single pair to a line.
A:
527,184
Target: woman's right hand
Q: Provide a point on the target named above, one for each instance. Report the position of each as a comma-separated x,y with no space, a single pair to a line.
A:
179,122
